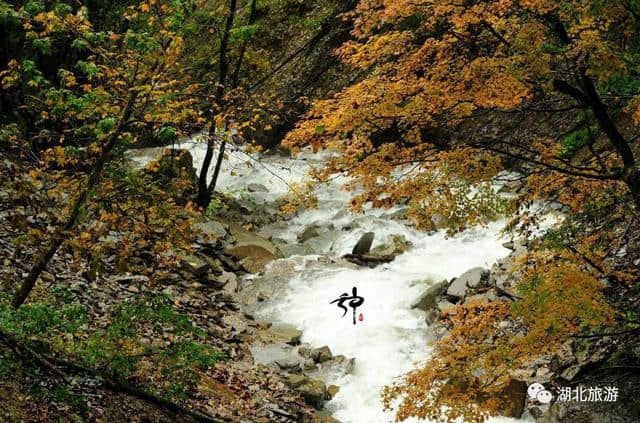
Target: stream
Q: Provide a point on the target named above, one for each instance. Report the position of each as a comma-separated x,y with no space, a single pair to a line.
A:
391,338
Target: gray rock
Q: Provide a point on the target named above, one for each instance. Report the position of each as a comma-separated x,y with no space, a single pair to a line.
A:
253,187
322,354
363,246
427,300
458,288
472,278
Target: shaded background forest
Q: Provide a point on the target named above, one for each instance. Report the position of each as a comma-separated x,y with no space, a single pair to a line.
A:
458,93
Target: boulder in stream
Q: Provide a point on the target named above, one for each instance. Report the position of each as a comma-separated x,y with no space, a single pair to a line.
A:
427,300
322,354
363,246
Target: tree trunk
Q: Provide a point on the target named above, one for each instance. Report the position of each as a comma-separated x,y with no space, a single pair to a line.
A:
58,238
204,194
631,174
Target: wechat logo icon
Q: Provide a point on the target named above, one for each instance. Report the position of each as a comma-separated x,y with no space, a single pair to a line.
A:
537,391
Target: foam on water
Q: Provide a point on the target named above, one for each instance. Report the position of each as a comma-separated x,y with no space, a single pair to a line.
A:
392,338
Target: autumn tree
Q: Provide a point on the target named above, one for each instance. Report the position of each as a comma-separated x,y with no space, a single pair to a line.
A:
93,109
449,95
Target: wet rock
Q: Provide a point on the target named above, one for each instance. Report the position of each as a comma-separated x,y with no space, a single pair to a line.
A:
363,246
322,354
253,187
368,260
313,391
332,391
287,333
427,301
396,244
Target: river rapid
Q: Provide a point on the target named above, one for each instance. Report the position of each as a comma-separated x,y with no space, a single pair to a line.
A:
392,338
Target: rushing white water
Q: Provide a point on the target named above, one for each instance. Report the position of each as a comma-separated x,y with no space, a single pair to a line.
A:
392,338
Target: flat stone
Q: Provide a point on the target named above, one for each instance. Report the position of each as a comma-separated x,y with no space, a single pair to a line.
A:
287,333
